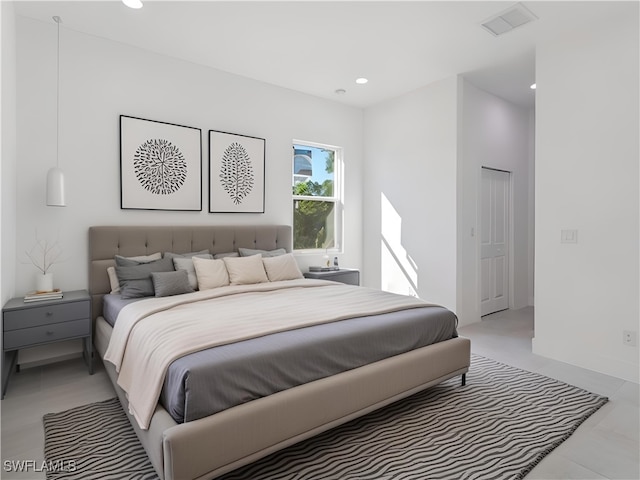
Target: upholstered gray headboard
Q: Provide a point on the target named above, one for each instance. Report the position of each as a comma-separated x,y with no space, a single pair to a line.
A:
107,241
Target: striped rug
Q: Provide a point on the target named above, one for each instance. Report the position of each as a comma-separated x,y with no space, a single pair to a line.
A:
498,426
94,442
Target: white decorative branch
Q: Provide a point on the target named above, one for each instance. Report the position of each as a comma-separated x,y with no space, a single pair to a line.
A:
44,254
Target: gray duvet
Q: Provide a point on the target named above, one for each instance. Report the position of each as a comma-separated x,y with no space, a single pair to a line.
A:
203,383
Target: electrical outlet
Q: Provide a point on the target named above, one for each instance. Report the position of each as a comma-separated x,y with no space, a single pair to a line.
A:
630,338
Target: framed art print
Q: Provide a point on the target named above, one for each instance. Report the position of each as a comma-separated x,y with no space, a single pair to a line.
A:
160,165
236,173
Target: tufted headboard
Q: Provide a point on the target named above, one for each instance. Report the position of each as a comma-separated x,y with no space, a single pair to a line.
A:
107,241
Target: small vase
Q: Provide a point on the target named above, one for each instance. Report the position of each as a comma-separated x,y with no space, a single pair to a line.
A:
44,282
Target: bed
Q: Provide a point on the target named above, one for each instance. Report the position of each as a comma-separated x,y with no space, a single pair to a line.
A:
211,444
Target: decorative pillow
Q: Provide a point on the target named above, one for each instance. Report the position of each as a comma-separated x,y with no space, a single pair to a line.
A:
201,253
111,271
132,261
186,264
113,280
135,281
245,270
229,254
282,267
210,273
166,284
247,252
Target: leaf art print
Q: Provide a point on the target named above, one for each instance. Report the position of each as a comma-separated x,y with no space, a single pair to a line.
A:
160,166
236,173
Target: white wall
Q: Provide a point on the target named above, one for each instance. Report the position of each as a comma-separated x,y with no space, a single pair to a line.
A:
424,151
100,80
494,133
531,206
587,124
8,160
410,195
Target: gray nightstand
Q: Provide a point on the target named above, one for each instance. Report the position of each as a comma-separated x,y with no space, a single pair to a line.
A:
350,276
38,323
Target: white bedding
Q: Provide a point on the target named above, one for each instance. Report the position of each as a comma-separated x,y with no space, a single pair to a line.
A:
151,334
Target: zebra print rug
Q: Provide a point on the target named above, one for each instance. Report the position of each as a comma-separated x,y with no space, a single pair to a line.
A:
498,426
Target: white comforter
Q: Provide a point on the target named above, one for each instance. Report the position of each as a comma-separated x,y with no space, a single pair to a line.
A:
151,334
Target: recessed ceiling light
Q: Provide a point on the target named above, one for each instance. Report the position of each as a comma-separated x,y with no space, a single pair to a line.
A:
340,91
533,86
361,81
133,3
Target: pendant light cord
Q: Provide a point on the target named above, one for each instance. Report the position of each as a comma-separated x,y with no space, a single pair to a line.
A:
58,20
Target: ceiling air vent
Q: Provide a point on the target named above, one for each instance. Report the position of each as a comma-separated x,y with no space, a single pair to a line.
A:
511,18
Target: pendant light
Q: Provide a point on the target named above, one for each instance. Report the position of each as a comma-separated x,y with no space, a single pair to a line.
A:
55,177
133,3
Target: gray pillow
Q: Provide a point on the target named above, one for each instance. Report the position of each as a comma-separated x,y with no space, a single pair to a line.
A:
186,255
171,283
135,280
131,261
247,252
186,264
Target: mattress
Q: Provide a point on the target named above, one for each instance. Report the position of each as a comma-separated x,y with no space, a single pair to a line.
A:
206,382
113,303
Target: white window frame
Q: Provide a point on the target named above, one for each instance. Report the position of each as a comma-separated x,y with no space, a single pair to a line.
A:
337,198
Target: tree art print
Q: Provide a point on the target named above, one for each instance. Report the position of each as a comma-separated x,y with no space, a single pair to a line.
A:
236,173
160,166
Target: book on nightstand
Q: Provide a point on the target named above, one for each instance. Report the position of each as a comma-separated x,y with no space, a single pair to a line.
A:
323,269
38,296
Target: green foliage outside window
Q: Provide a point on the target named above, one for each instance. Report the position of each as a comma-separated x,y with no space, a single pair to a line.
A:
313,224
313,220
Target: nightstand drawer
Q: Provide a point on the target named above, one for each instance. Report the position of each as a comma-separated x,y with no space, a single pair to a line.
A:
26,337
45,315
349,276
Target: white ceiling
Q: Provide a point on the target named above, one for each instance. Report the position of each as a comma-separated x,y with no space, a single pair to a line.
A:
318,47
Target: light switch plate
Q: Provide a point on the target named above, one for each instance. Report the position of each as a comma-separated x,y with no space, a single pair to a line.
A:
568,236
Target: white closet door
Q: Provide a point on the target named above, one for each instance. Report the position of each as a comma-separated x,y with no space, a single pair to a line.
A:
494,241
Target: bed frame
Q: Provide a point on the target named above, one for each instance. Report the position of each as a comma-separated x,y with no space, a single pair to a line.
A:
214,445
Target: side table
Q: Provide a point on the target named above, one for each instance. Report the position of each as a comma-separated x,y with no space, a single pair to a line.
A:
29,324
350,276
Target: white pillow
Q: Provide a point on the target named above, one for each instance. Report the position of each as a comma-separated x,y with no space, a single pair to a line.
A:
180,263
282,267
113,280
245,270
226,254
146,258
210,273
111,271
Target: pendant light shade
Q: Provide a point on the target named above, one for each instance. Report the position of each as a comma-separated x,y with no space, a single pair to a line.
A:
55,188
55,177
133,3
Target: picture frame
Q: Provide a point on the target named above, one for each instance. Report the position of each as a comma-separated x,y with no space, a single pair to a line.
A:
160,165
236,173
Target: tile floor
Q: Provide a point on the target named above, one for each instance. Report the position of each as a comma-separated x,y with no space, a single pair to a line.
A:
606,446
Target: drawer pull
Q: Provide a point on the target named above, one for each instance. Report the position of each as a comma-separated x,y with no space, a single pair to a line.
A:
50,332
49,314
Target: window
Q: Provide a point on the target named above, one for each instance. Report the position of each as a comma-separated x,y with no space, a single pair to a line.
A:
317,202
